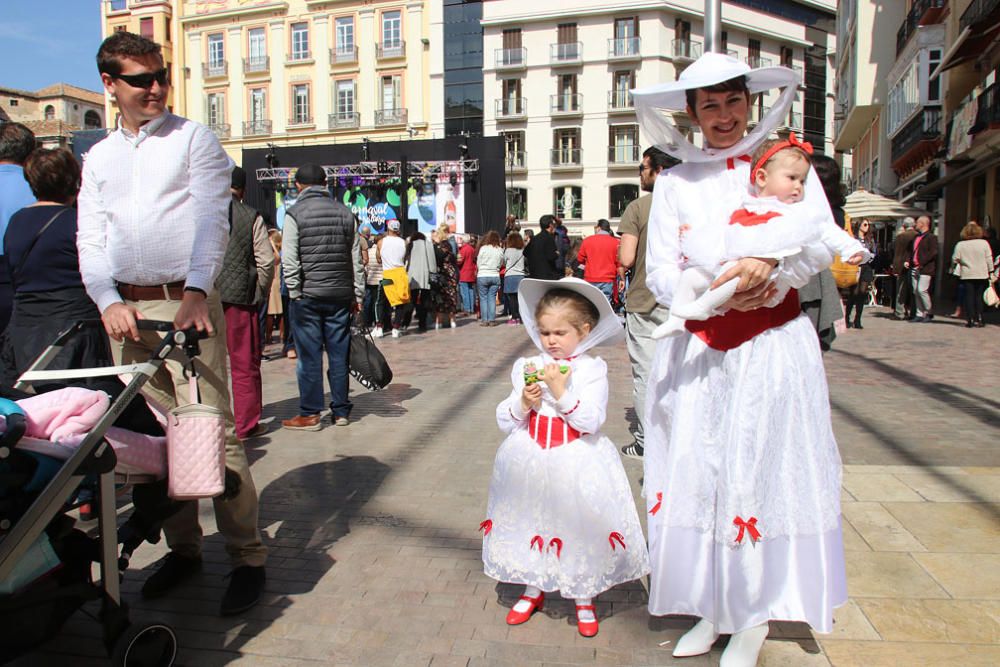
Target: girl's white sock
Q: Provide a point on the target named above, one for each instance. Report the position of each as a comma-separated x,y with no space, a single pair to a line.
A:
523,605
585,615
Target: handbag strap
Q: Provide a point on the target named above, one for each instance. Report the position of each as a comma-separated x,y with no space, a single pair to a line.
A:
31,246
194,395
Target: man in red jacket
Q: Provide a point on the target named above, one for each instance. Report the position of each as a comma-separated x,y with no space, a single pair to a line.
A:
599,257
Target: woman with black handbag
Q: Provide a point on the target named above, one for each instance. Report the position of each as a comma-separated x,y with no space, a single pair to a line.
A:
40,245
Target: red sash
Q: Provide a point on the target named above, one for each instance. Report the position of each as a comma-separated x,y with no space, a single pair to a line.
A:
729,331
747,218
552,430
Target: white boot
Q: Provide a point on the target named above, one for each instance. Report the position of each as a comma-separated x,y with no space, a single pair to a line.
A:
744,647
697,640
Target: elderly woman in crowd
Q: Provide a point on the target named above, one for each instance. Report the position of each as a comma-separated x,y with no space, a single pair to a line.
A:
444,287
973,264
40,245
420,266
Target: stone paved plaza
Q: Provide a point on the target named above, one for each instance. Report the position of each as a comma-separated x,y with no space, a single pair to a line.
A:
375,554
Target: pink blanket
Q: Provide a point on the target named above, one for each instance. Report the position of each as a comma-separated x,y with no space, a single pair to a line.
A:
58,414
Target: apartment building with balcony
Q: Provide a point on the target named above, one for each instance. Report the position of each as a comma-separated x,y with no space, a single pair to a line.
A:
155,19
968,179
301,72
557,77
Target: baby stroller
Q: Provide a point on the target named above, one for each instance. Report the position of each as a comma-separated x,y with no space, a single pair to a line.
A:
45,563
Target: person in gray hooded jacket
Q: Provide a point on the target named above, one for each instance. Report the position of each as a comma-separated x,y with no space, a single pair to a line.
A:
326,282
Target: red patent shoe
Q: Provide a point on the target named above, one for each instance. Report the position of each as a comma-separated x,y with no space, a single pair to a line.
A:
586,628
519,617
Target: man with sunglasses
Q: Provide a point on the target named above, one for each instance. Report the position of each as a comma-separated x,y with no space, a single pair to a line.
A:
153,230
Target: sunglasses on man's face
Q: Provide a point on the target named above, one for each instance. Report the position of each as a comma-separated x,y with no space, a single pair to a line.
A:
146,79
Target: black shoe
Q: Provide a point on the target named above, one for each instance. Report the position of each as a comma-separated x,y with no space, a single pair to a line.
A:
850,325
246,583
969,325
633,451
857,325
174,569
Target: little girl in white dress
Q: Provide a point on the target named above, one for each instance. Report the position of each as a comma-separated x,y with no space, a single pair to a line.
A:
560,514
758,228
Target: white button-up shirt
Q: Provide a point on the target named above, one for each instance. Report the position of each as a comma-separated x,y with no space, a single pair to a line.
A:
153,208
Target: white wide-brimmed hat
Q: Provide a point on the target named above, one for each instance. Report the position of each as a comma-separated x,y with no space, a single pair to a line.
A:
608,330
708,70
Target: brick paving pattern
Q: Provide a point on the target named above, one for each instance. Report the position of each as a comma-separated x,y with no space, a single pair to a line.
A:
375,554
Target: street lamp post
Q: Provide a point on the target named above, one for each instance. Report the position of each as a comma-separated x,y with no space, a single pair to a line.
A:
713,26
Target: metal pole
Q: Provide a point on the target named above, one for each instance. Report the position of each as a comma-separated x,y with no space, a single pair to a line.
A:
713,26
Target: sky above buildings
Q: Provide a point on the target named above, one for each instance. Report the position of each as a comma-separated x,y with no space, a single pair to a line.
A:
47,42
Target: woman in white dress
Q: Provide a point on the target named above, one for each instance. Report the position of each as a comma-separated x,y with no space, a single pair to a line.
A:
560,514
742,473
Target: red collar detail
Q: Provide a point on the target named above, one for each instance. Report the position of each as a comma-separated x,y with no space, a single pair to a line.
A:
731,162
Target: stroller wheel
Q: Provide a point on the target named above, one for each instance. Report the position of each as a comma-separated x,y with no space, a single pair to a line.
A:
150,645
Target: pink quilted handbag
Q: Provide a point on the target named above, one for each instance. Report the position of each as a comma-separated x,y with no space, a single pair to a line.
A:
196,449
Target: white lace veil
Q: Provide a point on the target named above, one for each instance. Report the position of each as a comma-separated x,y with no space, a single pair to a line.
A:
608,330
654,103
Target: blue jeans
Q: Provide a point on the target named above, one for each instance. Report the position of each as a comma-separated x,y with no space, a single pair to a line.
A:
468,294
488,287
318,325
607,288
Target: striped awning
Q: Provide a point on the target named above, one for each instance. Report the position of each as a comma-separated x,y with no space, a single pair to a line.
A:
864,204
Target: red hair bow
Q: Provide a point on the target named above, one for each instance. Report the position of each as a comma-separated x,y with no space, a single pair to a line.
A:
791,142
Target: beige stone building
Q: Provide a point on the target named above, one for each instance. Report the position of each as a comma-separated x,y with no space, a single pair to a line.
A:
54,112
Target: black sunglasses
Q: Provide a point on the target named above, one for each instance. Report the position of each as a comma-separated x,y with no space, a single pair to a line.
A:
146,79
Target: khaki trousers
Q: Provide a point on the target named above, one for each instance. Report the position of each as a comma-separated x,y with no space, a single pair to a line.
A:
236,517
639,329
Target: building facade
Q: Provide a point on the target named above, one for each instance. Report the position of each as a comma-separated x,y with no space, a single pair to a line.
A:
54,112
296,72
557,78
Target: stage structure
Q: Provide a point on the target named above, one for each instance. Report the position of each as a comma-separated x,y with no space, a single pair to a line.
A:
465,193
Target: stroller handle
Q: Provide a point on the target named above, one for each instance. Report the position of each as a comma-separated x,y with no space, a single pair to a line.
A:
163,326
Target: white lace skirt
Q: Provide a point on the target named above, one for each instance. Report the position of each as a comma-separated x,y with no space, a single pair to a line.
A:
751,451
562,519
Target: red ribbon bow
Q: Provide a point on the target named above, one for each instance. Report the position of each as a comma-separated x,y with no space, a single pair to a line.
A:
793,140
616,537
731,162
557,543
537,539
659,502
750,527
486,527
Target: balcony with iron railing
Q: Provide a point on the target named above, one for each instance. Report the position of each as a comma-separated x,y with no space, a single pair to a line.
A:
258,65
299,121
344,120
918,15
299,57
757,61
391,49
513,58
214,70
624,155
344,55
924,126
566,104
569,53
624,48
685,49
385,117
511,108
567,158
988,112
620,101
517,160
977,11
221,130
256,128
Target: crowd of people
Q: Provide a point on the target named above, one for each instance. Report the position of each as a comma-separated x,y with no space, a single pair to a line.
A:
737,237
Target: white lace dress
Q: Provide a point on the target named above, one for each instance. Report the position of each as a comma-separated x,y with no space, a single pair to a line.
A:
562,517
742,473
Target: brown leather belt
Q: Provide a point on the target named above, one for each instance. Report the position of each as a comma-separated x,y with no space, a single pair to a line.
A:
172,291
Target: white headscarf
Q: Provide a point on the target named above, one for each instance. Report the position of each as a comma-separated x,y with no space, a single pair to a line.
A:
608,330
708,70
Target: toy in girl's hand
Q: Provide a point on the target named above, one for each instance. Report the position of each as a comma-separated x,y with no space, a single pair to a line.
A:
533,374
